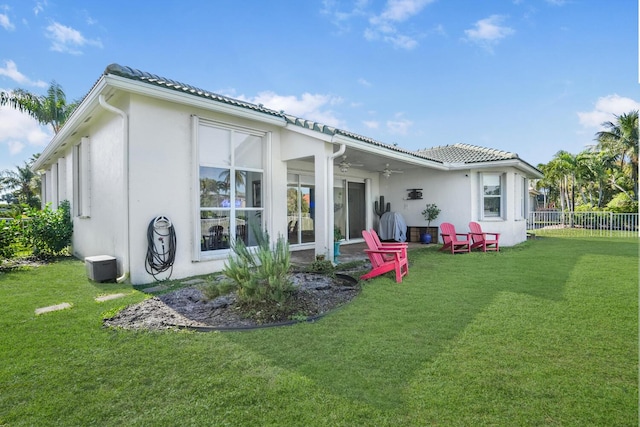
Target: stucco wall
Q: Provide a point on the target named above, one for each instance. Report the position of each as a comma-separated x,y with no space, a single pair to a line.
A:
100,233
457,194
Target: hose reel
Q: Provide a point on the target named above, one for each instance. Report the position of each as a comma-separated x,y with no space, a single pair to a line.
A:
161,247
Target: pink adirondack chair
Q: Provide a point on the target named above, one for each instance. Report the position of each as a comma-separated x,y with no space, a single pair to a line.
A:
451,240
480,238
389,245
380,265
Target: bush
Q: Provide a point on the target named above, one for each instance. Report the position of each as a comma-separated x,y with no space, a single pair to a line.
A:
49,231
621,203
261,275
8,238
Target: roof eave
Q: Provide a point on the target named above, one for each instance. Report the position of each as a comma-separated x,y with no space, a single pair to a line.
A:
517,163
188,98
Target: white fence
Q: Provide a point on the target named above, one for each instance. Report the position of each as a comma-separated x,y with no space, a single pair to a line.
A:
584,223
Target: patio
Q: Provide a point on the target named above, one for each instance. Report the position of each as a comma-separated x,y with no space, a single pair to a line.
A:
348,252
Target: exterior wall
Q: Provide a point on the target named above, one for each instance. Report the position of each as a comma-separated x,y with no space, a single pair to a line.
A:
163,175
101,231
451,191
458,195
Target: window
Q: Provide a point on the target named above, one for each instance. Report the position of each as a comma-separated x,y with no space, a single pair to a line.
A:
230,178
53,181
492,197
81,179
524,194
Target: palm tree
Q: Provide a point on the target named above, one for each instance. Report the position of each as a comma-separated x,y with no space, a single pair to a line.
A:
51,109
23,183
621,140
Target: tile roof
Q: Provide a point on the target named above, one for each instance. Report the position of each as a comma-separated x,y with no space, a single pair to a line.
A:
133,74
456,153
465,153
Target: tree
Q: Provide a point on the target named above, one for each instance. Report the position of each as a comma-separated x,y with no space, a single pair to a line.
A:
621,140
51,109
23,184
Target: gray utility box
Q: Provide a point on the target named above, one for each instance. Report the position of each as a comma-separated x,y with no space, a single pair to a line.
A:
101,268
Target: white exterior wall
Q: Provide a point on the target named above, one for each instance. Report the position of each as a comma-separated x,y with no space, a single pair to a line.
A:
458,195
101,232
451,191
162,176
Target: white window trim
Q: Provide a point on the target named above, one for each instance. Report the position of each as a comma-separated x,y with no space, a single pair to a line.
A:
196,121
82,178
502,216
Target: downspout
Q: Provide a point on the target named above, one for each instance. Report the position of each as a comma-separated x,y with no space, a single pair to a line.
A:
125,181
329,198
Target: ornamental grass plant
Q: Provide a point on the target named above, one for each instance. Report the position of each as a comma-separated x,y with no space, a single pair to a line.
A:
544,333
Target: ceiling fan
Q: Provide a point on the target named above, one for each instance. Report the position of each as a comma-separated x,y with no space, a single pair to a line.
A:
386,172
344,165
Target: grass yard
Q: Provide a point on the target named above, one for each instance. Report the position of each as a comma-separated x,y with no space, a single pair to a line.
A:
545,333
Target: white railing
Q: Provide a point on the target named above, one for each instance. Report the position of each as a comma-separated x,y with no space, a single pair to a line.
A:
583,223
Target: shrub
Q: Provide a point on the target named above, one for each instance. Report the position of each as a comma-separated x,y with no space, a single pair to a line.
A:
261,275
8,238
621,203
49,231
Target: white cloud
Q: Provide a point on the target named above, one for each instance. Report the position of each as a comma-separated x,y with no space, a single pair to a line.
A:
309,106
364,82
342,18
39,7
11,70
68,40
399,126
489,31
371,124
385,25
401,10
606,109
6,23
19,130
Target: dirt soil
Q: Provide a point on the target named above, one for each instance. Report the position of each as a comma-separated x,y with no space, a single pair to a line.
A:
315,295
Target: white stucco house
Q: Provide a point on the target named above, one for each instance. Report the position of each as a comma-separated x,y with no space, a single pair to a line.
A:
141,146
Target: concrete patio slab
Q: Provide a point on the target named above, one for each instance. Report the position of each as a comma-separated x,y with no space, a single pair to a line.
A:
51,308
103,298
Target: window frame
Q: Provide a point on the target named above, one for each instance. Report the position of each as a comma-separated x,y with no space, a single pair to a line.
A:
82,178
500,197
233,167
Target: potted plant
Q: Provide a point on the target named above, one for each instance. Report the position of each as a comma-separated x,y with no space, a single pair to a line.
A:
430,213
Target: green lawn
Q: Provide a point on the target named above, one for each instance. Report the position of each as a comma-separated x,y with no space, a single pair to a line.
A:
545,333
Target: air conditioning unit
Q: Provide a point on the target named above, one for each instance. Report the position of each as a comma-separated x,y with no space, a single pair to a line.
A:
101,268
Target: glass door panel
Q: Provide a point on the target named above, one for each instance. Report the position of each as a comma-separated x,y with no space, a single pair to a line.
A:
356,209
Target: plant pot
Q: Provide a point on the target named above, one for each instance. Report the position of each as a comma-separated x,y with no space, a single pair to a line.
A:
425,238
336,249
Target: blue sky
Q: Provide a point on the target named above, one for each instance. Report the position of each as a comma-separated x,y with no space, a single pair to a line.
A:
527,76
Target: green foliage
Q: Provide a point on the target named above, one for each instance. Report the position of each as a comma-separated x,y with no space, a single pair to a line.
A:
261,275
337,234
49,231
322,266
431,212
621,203
8,238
